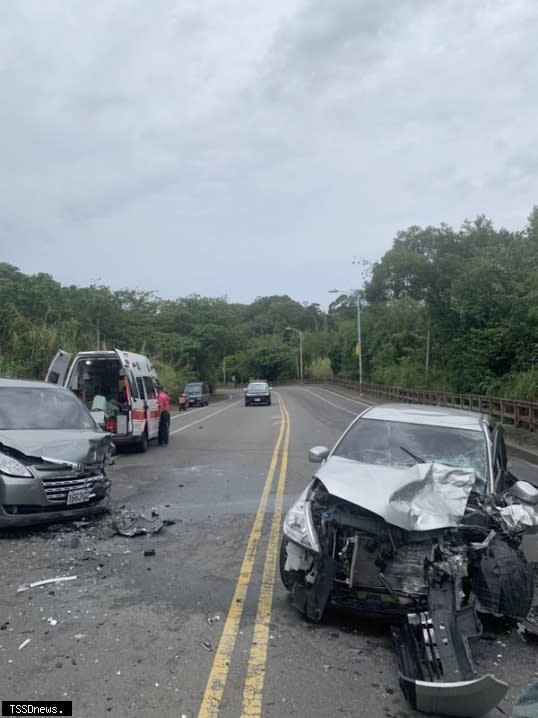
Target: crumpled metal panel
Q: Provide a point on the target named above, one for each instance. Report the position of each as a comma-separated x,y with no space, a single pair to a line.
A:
83,446
520,518
423,497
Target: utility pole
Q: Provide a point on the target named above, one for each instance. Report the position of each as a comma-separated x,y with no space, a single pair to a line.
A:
301,337
359,340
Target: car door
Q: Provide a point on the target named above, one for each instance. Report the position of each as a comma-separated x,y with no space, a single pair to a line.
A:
59,367
153,413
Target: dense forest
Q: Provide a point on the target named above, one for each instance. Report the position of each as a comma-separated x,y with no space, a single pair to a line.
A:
443,308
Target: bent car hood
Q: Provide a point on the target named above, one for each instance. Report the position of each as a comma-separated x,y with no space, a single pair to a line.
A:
423,497
82,446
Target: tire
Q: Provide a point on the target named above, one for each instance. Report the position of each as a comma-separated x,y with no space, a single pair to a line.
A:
269,402
142,445
246,403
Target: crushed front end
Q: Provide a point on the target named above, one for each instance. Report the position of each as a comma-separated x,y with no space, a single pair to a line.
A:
428,584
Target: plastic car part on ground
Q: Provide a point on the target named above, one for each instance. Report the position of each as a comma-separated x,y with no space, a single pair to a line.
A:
137,525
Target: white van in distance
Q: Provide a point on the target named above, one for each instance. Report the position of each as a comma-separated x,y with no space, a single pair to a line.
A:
119,388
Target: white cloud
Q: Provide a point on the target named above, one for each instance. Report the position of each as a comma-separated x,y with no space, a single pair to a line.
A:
301,133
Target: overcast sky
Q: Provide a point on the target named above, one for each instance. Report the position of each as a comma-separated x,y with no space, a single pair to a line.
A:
243,149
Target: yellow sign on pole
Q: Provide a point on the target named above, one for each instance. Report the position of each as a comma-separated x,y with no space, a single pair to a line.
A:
357,349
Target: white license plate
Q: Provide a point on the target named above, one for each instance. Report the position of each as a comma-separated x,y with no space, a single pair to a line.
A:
78,496
257,399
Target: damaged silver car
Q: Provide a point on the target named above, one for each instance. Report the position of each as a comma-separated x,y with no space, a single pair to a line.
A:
52,455
414,517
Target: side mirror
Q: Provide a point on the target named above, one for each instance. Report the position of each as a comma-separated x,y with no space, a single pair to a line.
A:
317,454
525,492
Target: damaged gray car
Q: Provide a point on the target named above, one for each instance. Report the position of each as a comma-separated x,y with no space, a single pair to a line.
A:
414,517
52,456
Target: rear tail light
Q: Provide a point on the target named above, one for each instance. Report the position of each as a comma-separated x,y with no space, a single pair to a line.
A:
110,425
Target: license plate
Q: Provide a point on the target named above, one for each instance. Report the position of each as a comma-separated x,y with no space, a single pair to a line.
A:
257,399
78,496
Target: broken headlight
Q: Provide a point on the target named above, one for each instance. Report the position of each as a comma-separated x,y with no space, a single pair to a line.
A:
13,467
298,526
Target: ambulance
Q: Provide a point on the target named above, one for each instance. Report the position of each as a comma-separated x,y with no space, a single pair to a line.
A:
118,387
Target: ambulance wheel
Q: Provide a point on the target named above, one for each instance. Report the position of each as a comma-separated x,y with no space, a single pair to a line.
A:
142,445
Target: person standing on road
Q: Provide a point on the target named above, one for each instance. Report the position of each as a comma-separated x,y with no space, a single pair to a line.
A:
164,418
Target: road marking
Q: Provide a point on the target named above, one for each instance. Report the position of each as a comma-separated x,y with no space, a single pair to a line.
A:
255,678
336,406
202,418
216,682
362,402
191,410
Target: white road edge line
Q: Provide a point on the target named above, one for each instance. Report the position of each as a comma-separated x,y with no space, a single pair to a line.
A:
365,402
203,418
178,415
336,406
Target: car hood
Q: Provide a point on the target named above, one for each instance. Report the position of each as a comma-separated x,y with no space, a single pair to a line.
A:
82,446
423,497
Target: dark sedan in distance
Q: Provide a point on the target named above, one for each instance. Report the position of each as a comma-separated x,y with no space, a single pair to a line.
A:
258,392
52,455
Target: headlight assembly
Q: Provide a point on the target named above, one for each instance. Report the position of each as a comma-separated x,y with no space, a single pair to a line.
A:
298,526
13,467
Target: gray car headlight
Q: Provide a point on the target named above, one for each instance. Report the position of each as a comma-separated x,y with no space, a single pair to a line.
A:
298,526
13,467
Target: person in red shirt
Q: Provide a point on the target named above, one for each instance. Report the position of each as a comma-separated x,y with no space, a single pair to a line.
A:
164,419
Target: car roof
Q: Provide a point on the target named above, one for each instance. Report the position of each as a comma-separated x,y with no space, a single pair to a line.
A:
28,383
431,415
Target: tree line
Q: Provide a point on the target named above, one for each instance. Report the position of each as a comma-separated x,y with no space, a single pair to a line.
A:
449,309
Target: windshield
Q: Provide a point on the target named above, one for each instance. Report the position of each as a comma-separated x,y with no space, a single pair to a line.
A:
37,408
193,389
258,386
393,443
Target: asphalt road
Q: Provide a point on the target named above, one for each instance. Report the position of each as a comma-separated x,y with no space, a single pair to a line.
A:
130,637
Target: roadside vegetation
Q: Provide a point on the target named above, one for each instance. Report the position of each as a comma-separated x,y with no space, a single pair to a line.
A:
443,308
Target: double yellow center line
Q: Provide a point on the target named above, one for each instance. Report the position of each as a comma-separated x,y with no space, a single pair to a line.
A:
253,690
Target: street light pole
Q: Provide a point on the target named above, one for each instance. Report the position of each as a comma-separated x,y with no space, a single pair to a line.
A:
359,340
228,356
301,337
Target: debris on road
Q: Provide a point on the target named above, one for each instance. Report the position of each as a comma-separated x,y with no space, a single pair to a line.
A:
52,621
137,525
24,643
149,552
45,582
212,620
528,626
207,645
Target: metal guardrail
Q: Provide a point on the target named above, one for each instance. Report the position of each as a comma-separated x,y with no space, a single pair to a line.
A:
513,412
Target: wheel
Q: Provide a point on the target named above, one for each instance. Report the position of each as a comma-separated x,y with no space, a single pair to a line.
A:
246,403
142,445
269,402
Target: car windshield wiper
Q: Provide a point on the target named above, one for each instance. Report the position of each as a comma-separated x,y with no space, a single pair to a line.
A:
418,459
